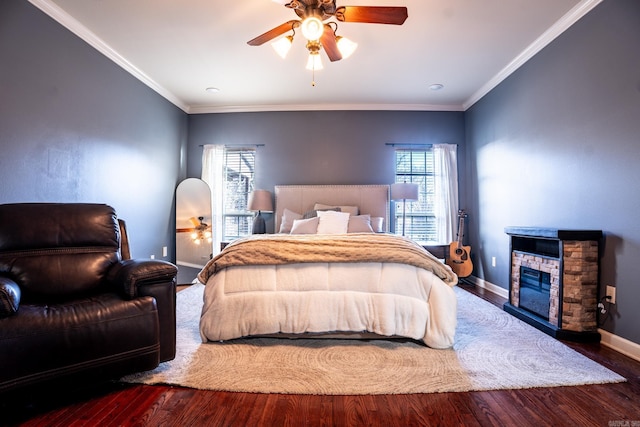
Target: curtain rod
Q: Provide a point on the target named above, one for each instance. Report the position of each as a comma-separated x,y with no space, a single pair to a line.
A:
410,145
236,145
394,144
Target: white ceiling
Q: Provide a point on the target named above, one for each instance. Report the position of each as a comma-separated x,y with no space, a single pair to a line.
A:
181,47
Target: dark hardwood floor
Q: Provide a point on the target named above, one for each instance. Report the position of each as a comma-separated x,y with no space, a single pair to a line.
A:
116,404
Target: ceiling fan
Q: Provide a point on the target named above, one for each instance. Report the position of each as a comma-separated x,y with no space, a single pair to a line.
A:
313,13
199,232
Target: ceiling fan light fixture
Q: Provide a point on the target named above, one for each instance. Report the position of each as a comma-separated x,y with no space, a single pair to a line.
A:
346,46
312,28
282,46
314,62
321,35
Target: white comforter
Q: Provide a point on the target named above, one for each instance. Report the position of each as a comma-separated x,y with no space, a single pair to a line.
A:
388,299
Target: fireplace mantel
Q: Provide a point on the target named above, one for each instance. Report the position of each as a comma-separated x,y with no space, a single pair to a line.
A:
571,259
554,233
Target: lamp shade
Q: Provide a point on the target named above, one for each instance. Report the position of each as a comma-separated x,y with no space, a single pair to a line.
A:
283,45
260,200
314,62
404,191
346,46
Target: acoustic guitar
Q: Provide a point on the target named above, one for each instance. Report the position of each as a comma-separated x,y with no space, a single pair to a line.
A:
459,259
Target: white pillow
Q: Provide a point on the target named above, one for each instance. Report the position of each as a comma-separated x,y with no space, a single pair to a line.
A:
287,220
305,226
353,210
376,224
332,222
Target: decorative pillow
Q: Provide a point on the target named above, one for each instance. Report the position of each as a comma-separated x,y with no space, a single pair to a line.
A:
9,298
376,224
353,210
360,224
287,220
314,212
332,222
305,226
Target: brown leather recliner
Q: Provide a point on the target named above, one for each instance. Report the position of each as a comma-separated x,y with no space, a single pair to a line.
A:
70,306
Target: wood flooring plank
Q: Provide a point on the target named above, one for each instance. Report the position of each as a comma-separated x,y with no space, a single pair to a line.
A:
220,409
357,411
129,409
326,416
172,404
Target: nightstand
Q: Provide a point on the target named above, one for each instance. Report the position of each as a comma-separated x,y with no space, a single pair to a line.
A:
439,251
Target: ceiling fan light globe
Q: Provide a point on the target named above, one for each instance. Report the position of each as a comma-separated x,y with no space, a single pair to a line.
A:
282,46
346,46
312,28
314,62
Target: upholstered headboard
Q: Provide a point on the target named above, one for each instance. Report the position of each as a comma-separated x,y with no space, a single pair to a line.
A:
371,199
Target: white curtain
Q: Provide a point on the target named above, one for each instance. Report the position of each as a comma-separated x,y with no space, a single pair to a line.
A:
213,174
446,188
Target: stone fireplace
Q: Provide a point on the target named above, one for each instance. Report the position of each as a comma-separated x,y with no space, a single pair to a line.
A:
554,280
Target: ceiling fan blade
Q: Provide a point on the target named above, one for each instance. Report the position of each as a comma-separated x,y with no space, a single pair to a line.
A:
328,41
372,14
273,33
185,230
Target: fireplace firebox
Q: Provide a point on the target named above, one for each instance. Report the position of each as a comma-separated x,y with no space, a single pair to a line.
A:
535,291
554,280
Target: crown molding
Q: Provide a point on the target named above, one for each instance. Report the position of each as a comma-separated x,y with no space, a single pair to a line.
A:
207,109
97,43
570,18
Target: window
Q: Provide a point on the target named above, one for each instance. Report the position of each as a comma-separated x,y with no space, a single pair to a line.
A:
239,172
417,166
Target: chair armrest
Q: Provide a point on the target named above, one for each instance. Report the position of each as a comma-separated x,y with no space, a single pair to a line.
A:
9,297
157,279
129,275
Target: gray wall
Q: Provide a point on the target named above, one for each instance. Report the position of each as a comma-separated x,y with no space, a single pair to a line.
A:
75,127
323,147
557,145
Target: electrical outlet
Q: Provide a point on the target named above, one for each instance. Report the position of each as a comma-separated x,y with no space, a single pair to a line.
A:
152,257
611,293
164,251
493,261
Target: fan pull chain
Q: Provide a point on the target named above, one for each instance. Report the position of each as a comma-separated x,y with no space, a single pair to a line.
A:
313,77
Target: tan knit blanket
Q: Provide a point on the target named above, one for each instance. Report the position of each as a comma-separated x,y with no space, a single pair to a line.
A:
276,249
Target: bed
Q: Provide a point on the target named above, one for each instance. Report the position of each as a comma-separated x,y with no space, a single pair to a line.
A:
333,271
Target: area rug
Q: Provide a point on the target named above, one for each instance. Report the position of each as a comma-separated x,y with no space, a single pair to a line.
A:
493,350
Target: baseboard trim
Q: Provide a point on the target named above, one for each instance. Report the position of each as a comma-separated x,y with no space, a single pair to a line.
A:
498,290
619,344
190,264
614,342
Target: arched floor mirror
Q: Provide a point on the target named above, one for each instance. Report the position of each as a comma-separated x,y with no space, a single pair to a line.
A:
193,228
